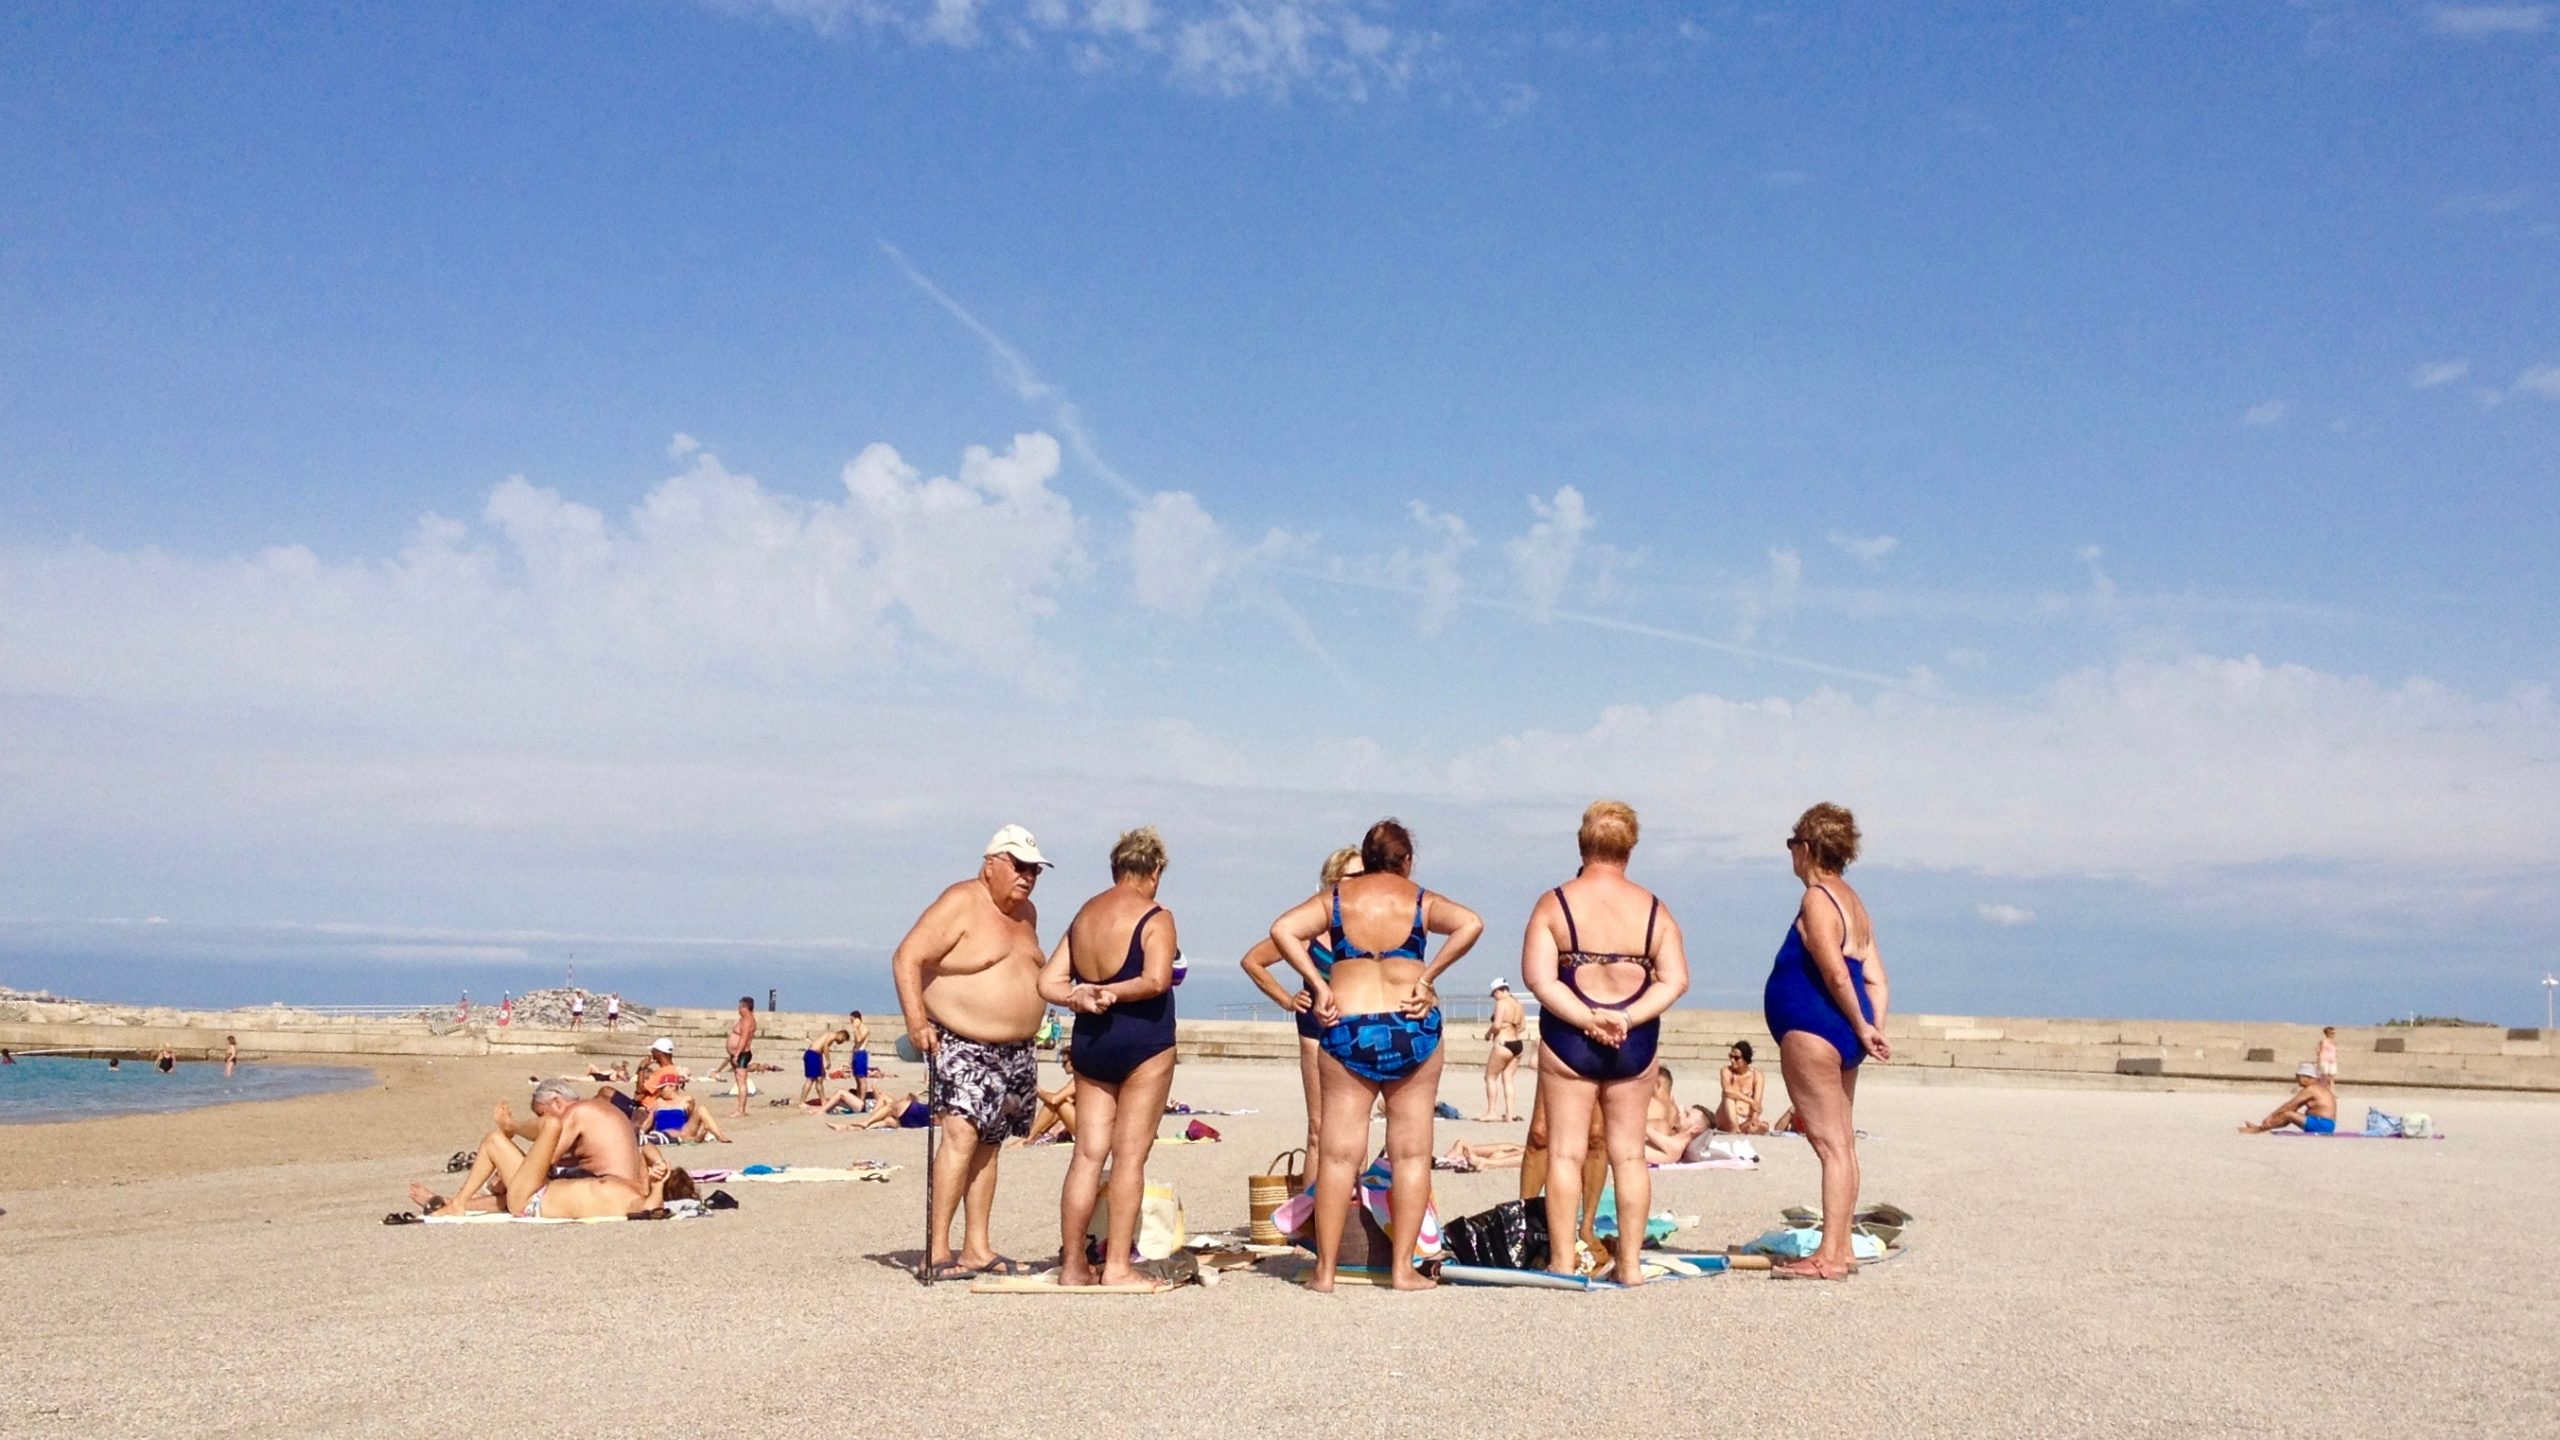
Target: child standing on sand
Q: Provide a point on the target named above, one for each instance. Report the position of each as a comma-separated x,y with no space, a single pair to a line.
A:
2328,1061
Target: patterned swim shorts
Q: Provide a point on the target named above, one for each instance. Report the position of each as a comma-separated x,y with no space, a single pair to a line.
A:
994,1087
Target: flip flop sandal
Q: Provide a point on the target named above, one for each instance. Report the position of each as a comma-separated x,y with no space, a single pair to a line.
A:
459,1161
1005,1265
402,1217
941,1271
1775,1273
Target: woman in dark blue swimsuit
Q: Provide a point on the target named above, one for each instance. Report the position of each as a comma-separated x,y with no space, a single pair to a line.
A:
1600,1012
1381,1033
1301,1002
1114,970
1825,1003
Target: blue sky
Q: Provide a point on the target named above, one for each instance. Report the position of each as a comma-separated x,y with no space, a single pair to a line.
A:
660,481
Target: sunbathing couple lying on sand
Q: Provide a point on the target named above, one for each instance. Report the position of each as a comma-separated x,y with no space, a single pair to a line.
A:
577,1158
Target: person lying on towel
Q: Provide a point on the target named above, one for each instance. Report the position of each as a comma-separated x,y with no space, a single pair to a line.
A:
2314,1105
574,1158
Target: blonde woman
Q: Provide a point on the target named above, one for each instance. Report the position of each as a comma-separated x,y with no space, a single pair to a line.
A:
1301,1002
1605,960
1825,1002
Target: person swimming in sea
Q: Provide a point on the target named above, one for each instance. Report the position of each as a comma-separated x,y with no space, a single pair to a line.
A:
1381,1038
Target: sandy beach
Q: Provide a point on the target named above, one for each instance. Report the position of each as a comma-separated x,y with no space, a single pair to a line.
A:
2086,1262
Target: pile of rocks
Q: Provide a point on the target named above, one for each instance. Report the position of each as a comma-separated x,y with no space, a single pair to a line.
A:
545,1009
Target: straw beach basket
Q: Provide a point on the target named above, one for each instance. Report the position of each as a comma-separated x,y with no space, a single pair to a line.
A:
1266,1193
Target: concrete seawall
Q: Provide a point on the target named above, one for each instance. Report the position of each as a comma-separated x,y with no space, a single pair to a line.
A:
2470,1058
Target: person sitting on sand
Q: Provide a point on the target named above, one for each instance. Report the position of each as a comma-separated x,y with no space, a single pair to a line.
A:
1056,1119
1669,1130
578,1160
1740,1112
1470,1156
907,1112
814,1060
2313,1105
665,1107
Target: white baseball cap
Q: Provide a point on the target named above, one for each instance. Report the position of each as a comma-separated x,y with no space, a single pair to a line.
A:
1499,986
1015,841
2307,1071
665,1046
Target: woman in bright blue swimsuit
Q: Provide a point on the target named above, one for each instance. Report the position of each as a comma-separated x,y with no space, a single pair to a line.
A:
1381,1033
1600,1013
1825,1003
1114,970
1301,1002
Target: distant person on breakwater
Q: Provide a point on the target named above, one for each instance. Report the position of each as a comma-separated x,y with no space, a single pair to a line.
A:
2313,1105
968,978
1826,1003
230,1055
578,1012
613,1012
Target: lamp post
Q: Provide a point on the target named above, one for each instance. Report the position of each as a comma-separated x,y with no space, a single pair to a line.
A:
2550,983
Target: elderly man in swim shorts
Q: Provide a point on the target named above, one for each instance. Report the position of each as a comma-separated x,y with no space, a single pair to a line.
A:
2313,1105
579,1158
969,985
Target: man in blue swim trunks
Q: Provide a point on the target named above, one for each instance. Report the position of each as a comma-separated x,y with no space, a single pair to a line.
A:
2314,1105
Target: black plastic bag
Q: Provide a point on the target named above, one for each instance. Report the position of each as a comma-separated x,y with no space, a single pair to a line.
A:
1510,1236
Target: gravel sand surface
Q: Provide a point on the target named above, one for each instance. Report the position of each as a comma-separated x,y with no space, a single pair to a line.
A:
2087,1262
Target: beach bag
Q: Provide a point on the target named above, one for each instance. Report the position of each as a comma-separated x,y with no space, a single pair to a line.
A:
1729,1147
1510,1236
2417,1125
1365,1235
1160,1223
2378,1123
1265,1194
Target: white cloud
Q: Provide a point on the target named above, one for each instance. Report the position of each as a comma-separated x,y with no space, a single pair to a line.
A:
2475,22
1542,560
2485,202
1867,550
1438,566
1774,599
1221,47
2438,372
2542,381
2148,769
2004,916
2265,412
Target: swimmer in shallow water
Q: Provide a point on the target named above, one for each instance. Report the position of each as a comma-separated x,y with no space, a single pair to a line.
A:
166,1060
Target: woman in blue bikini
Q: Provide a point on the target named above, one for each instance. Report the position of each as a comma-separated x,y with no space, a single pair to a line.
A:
1600,1013
1301,1003
1825,1002
1381,1022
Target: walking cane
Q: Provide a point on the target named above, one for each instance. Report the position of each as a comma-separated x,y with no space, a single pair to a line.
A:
932,1133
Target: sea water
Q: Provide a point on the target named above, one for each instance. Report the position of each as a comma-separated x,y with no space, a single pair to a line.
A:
59,1087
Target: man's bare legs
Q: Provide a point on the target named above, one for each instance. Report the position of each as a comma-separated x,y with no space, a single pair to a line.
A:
1410,1103
964,1181
496,1160
2288,1113
1821,1091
